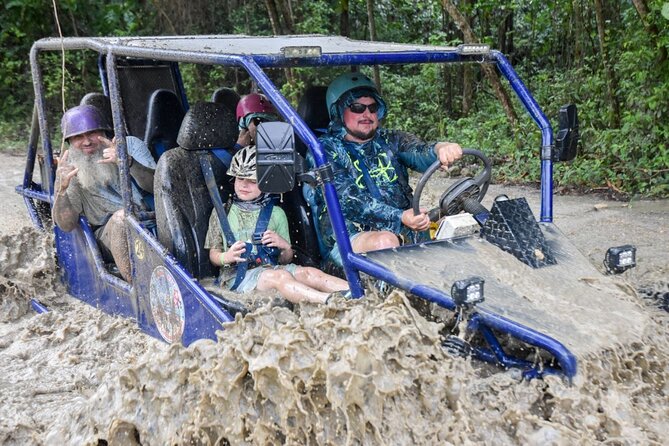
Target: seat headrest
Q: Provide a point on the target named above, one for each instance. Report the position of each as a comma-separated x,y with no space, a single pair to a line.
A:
208,125
102,103
313,109
226,96
164,114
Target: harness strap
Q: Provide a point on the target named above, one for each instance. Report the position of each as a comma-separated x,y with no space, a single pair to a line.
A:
212,187
263,220
367,178
265,255
223,155
242,267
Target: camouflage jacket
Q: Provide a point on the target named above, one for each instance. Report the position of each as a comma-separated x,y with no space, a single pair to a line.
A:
371,179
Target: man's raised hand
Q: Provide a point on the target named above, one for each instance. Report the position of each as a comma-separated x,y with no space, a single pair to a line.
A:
64,173
109,152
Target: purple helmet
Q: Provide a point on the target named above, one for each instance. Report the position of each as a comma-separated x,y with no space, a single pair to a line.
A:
82,119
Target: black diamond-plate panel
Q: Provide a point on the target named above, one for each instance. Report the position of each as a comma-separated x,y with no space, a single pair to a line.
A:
512,227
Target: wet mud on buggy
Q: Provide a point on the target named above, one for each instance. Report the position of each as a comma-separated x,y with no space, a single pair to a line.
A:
514,279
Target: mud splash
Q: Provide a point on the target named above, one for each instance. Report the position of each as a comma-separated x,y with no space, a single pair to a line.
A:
52,361
365,372
27,269
368,372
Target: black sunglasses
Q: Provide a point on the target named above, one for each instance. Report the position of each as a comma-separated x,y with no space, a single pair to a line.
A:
359,108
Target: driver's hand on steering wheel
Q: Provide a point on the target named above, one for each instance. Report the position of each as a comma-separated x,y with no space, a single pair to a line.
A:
447,152
418,222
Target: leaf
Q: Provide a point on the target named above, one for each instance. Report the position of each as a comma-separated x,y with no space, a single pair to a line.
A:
665,11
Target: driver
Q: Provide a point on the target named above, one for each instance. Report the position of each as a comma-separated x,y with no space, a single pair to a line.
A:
370,169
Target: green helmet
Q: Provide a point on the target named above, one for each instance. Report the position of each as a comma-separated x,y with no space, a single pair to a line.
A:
347,82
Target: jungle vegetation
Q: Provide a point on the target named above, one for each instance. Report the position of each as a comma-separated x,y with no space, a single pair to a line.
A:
607,57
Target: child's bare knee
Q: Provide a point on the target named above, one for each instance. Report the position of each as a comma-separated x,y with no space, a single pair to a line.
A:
306,272
275,277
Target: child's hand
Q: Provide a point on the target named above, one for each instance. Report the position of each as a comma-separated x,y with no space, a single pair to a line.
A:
235,252
274,240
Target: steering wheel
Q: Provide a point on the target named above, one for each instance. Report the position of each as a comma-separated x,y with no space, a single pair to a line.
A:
463,195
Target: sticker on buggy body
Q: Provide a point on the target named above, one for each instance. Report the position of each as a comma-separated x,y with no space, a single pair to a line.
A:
167,306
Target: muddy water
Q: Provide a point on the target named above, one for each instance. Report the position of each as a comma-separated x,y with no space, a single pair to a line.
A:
364,372
367,372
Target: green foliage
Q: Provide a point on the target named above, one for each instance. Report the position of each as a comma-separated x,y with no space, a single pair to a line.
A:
24,21
553,46
14,135
315,17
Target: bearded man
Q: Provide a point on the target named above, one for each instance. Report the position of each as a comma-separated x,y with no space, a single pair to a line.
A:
370,166
88,184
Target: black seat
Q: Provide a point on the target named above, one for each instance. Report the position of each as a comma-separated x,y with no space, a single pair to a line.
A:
100,102
313,109
164,116
227,97
302,234
183,203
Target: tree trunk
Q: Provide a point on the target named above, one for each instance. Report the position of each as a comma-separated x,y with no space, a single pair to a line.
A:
279,29
273,14
612,82
642,10
343,19
372,37
579,33
287,14
447,102
467,89
506,34
467,78
488,70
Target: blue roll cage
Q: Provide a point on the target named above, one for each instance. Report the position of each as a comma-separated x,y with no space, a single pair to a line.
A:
238,51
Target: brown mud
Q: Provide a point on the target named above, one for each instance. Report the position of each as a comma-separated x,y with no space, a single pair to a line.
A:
352,372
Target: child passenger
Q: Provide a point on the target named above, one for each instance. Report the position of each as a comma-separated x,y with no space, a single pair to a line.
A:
295,283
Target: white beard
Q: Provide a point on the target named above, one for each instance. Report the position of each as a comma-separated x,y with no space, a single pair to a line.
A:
92,174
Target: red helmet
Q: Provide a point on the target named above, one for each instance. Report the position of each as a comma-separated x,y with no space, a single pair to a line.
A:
254,103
